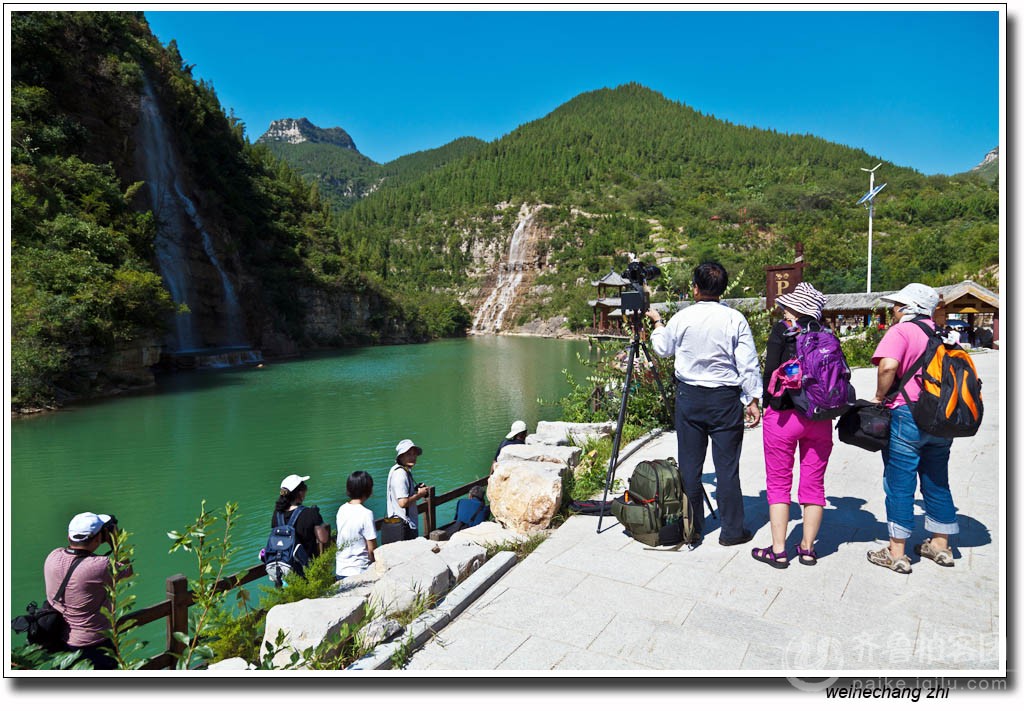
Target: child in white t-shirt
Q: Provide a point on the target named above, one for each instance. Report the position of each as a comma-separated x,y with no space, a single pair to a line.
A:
357,536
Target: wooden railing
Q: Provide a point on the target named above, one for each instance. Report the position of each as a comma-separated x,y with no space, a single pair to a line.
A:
179,598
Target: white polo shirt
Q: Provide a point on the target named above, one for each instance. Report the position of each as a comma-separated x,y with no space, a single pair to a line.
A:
713,347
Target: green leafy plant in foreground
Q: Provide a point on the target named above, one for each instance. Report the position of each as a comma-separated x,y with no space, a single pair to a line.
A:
123,632
32,656
213,555
337,651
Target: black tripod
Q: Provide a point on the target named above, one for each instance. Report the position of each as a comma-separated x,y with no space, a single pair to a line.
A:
635,319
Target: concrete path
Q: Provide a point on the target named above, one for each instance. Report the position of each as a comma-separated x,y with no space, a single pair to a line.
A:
597,601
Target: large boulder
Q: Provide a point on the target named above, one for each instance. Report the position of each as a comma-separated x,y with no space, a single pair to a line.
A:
569,456
462,559
569,433
525,495
307,623
488,533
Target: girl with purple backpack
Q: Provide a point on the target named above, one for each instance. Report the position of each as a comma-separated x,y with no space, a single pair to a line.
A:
786,428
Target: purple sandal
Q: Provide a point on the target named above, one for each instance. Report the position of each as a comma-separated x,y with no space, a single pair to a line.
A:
770,557
801,554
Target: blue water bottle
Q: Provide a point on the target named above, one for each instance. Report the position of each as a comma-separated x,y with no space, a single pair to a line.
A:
792,369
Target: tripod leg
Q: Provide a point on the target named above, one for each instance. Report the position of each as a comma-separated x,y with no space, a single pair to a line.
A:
613,460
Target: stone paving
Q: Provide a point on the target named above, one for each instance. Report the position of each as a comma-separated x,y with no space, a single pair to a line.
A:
585,600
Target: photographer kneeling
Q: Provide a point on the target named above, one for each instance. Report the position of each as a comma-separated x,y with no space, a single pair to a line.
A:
85,594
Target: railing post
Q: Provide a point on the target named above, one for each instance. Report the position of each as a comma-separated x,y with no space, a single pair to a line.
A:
177,621
430,515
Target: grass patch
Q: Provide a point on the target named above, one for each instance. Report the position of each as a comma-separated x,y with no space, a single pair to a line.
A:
421,603
520,548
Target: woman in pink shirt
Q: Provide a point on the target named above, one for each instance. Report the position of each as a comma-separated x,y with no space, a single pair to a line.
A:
911,454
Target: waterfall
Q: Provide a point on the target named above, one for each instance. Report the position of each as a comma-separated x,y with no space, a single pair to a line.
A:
233,309
491,315
171,206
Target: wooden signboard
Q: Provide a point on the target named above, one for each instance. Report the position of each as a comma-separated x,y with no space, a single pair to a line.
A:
783,278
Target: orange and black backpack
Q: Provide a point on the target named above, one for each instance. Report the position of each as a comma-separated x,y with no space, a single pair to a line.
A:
950,403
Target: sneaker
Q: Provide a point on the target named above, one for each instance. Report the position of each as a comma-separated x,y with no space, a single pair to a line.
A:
743,538
943,557
883,557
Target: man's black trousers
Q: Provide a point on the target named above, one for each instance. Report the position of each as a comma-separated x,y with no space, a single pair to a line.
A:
714,413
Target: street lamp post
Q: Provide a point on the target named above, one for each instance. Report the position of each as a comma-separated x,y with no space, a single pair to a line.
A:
869,197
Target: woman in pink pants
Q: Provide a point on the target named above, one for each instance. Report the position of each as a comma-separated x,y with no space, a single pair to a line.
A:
785,430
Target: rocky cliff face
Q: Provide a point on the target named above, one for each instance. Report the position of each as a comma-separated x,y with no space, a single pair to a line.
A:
303,131
991,157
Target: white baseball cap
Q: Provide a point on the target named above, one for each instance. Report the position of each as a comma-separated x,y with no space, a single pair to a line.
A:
920,295
517,427
292,481
404,446
86,525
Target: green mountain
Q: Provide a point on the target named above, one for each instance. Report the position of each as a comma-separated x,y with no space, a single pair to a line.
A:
329,159
626,170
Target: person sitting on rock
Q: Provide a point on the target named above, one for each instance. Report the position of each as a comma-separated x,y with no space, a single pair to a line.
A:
473,510
469,512
516,435
357,536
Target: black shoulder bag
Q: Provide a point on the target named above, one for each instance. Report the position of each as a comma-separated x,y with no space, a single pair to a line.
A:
45,626
866,424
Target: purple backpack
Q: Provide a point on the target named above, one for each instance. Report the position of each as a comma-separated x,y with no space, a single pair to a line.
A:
825,390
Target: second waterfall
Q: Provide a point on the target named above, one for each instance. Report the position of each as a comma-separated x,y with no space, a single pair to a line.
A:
490,316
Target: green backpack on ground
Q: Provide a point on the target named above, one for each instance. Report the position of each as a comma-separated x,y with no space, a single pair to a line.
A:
654,509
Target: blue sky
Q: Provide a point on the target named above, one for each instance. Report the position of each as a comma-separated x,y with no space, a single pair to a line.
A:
918,88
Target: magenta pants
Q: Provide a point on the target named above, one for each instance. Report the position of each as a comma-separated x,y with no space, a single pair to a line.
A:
783,432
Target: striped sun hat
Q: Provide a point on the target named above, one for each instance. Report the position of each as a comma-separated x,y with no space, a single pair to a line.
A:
804,299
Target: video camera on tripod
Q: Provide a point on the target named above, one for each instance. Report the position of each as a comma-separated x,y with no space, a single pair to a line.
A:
638,300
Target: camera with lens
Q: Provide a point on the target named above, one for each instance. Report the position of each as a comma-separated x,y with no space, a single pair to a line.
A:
109,527
637,299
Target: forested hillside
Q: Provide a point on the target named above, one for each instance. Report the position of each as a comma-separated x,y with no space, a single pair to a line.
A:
626,170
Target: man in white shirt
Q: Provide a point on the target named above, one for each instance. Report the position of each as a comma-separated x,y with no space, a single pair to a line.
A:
718,385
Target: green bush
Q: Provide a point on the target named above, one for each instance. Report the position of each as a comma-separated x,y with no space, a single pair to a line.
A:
859,345
239,632
590,475
599,397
